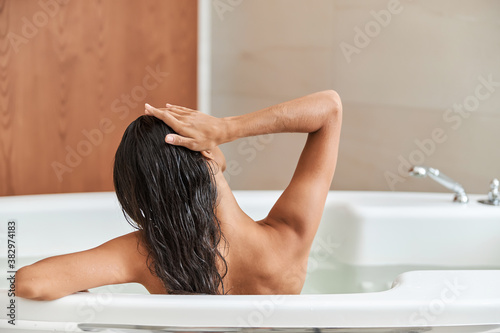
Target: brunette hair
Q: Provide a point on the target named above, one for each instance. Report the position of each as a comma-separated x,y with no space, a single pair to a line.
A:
169,194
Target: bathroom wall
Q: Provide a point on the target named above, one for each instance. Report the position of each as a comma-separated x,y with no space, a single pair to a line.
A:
419,80
74,74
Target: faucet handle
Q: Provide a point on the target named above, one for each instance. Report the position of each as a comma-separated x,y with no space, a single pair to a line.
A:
493,195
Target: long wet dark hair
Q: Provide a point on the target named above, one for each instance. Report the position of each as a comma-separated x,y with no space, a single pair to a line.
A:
169,194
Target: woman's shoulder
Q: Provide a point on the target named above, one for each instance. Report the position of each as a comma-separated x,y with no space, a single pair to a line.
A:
135,248
132,247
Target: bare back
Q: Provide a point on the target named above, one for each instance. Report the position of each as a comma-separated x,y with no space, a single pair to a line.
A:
263,257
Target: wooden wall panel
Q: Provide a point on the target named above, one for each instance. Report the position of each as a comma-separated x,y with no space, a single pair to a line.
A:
74,74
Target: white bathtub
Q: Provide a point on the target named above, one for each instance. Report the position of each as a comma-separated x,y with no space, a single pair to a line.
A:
381,262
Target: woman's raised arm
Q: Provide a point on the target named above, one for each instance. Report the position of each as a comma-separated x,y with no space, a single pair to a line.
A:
199,131
301,205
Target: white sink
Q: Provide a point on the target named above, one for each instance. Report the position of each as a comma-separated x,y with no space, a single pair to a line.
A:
367,239
401,228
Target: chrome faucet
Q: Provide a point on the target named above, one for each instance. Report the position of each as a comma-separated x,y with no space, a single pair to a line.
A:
493,195
421,172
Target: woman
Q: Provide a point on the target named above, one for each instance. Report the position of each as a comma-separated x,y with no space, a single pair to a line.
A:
192,236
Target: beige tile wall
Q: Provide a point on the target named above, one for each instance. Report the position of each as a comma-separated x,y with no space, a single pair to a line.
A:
398,86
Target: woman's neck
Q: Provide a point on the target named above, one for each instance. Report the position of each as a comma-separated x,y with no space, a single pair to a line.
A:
228,211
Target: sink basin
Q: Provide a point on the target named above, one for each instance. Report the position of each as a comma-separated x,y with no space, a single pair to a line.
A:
399,228
366,239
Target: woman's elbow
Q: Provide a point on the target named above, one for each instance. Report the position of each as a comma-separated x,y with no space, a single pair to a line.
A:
23,286
28,287
333,107
334,101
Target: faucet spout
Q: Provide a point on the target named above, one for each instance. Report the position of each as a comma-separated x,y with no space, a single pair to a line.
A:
422,171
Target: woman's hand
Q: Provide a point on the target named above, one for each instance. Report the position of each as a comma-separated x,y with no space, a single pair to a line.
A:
196,130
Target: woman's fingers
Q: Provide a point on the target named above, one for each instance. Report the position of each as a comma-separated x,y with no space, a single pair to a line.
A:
186,109
152,111
180,109
165,116
178,140
170,117
194,129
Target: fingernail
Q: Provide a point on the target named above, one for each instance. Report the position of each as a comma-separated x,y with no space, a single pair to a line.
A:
169,104
170,139
147,105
